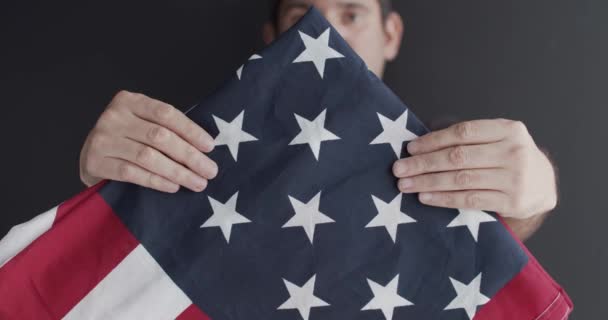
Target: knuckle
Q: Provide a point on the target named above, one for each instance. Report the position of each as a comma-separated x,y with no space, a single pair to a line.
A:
518,126
127,96
448,200
192,157
123,95
126,172
159,183
145,155
164,112
457,156
152,180
424,164
464,179
465,130
519,130
124,100
520,155
138,97
158,135
177,174
110,115
473,200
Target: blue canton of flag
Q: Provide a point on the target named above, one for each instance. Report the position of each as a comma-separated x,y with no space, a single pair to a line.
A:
304,220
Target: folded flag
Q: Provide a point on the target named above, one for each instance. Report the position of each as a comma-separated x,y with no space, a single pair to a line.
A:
304,220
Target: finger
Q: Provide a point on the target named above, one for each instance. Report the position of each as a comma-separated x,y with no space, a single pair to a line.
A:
169,117
487,200
173,146
121,170
157,163
453,158
475,179
464,133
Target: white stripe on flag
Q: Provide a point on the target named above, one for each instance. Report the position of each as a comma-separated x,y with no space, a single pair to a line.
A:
137,288
22,235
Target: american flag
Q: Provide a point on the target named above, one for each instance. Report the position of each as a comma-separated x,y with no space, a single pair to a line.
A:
304,220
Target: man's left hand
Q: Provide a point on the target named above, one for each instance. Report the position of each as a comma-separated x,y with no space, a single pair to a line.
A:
491,165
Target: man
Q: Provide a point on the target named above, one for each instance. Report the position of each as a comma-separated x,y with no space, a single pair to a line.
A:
491,165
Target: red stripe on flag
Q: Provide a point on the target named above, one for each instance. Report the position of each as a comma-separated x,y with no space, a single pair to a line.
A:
193,313
51,275
531,295
73,202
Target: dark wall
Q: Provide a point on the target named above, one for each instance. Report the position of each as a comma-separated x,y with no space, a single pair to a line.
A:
543,62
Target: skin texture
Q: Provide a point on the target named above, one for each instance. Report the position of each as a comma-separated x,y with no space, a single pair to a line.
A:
147,142
491,165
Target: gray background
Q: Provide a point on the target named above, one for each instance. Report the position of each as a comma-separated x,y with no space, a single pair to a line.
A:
543,62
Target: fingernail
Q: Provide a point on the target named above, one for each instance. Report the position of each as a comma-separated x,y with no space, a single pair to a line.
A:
406,184
214,170
426,197
412,147
208,143
399,169
199,183
171,187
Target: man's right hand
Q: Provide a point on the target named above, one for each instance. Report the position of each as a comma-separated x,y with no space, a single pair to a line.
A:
147,142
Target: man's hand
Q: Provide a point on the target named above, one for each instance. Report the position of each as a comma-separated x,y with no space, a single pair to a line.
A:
491,165
147,142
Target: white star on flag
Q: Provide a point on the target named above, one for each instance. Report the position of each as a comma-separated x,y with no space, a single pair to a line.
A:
386,298
224,216
231,134
389,216
394,132
317,51
239,71
471,219
468,297
302,298
313,133
307,215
